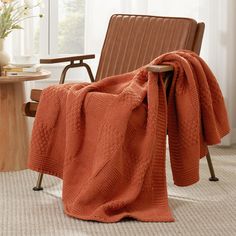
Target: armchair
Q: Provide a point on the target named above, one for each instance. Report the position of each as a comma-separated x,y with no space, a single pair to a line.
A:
131,42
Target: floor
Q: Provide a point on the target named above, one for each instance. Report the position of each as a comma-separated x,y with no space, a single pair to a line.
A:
206,208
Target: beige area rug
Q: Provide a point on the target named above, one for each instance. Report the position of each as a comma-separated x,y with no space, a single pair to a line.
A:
206,208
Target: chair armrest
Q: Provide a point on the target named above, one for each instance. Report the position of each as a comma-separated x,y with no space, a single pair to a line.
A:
73,64
65,58
160,68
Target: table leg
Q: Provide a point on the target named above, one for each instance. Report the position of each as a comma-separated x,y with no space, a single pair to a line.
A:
13,128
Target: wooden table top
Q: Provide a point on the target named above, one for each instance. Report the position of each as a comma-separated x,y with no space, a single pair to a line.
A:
16,79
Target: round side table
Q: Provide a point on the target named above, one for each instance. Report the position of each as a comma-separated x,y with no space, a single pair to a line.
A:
14,138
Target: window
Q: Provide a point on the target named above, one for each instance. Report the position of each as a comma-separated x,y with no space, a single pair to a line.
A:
61,30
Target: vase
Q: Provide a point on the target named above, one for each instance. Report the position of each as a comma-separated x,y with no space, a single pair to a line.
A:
4,56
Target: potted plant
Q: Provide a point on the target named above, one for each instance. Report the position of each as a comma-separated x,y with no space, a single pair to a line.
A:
12,13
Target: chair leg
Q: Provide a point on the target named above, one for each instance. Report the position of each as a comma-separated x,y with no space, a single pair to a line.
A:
211,168
38,186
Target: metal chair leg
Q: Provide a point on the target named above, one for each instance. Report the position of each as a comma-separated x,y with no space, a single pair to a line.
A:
38,186
211,168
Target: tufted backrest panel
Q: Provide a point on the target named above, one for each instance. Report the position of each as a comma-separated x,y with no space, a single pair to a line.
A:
134,40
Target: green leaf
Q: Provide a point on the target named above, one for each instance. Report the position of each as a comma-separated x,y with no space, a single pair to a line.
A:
16,27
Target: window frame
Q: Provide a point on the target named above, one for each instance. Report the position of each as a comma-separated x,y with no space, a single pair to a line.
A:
49,28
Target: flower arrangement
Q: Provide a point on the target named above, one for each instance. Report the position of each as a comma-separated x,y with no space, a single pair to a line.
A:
13,12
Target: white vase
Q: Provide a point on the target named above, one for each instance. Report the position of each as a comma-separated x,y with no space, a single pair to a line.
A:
4,56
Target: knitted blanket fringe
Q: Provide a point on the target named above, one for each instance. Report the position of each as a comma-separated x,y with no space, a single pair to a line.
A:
107,140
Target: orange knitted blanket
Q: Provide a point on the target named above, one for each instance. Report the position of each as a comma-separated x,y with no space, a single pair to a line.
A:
107,140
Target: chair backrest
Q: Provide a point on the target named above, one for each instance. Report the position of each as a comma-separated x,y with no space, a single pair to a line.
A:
134,40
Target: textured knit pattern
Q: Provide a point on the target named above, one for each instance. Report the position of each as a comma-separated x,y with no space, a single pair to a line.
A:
203,209
107,140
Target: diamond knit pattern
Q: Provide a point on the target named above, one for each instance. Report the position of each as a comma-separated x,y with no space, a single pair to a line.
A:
107,140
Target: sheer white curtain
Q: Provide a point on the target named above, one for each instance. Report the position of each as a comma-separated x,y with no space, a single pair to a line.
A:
218,49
